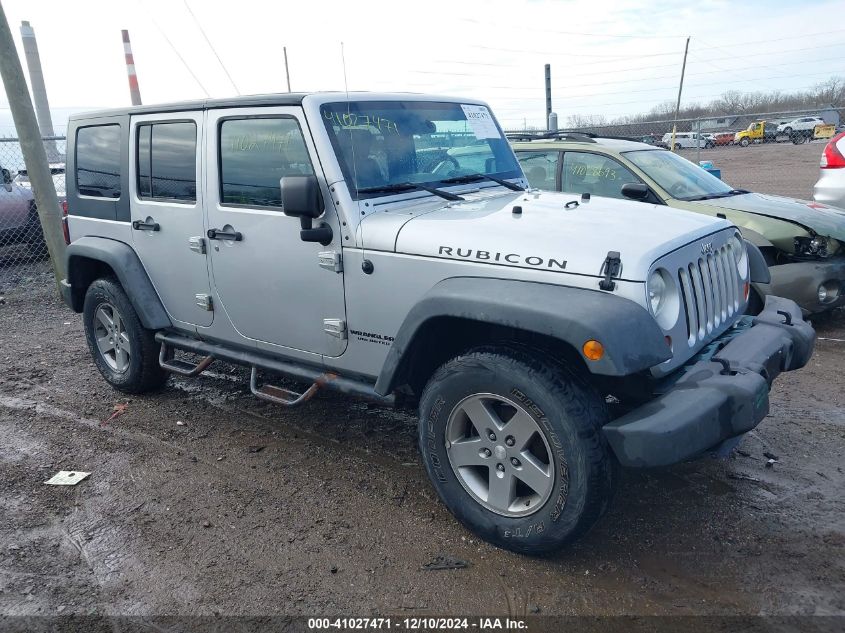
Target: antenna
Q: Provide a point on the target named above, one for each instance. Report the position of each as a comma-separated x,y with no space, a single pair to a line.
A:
349,118
354,162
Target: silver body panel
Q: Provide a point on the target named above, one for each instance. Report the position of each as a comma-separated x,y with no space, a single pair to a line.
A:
830,188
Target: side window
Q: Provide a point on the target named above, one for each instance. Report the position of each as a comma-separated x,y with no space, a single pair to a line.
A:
254,156
594,174
167,161
540,168
98,161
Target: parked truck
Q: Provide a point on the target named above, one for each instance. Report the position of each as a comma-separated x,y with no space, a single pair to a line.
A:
757,132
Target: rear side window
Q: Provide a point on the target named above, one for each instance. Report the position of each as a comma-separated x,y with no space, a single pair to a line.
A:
540,168
254,156
98,161
167,161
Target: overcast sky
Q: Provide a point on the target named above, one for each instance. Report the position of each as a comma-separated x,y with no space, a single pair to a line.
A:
609,58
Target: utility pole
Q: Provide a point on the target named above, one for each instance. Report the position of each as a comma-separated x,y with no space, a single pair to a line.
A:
548,93
35,157
287,72
678,105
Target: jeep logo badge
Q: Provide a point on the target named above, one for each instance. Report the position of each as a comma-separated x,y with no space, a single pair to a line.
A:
706,248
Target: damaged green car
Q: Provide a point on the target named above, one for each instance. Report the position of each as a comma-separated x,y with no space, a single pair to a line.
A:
803,242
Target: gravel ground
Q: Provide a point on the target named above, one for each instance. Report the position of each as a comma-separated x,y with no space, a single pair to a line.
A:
249,509
783,169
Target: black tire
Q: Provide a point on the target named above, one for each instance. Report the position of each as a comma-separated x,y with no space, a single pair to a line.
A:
744,142
143,373
569,414
677,147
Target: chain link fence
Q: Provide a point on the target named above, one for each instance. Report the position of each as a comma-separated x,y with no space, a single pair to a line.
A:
776,153
23,253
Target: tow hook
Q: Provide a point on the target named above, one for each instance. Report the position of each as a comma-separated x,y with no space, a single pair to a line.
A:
726,366
787,316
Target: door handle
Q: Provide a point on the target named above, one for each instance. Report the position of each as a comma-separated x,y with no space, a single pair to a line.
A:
217,234
145,226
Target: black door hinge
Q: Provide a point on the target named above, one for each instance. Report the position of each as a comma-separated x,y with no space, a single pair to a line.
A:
611,268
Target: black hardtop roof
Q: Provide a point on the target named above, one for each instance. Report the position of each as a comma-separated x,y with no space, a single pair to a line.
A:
278,99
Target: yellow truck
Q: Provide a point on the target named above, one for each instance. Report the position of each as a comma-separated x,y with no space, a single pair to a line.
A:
757,132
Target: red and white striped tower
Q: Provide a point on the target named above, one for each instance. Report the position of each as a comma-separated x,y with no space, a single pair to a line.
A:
134,91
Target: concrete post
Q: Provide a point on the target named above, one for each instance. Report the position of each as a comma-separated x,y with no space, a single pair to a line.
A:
39,90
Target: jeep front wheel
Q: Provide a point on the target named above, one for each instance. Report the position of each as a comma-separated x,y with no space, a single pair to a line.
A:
125,352
514,448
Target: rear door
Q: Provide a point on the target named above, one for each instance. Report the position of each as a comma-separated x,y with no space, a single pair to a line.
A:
167,212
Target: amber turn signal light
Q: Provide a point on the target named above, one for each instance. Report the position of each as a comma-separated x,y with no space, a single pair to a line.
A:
745,289
593,350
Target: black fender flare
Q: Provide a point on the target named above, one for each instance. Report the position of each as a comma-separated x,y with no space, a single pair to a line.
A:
631,337
123,260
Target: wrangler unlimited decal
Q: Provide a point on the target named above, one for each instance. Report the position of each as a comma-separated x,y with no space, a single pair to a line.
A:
505,258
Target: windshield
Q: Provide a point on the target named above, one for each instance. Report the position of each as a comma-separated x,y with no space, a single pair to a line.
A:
679,177
384,143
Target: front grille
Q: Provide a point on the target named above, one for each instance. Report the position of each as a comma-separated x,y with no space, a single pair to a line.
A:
710,291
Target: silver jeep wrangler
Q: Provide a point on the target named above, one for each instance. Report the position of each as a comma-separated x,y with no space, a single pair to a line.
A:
387,246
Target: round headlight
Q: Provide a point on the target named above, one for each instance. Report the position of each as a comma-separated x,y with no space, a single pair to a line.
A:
740,254
656,289
663,298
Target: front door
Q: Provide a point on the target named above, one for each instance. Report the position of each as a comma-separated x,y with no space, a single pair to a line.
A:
270,283
167,212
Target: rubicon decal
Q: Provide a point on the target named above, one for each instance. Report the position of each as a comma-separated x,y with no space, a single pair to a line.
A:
514,259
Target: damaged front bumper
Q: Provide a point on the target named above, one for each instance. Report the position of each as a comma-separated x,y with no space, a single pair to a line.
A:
800,281
721,393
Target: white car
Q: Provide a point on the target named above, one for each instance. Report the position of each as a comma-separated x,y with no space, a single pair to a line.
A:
685,140
801,124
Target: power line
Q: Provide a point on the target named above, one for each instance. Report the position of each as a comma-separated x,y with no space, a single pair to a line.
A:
777,39
181,59
637,79
609,58
576,33
211,46
780,52
598,105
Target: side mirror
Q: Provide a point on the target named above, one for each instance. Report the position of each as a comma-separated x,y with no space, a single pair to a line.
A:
301,199
7,177
635,190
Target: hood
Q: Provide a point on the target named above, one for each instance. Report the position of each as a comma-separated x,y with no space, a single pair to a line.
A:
545,235
823,219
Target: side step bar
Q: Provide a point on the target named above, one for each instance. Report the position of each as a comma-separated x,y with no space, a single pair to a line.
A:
305,373
282,396
182,367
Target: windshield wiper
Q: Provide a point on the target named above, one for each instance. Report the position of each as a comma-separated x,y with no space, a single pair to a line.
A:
409,186
712,196
476,177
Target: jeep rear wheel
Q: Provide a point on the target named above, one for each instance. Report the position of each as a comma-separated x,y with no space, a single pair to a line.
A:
125,352
514,447
744,141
